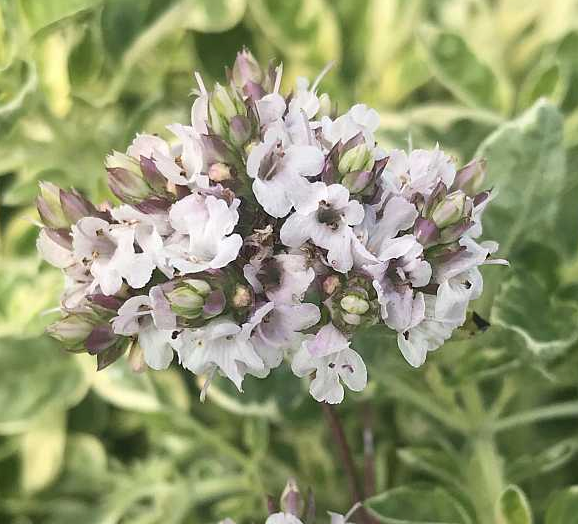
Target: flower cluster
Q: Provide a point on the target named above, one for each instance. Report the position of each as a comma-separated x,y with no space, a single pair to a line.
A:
269,228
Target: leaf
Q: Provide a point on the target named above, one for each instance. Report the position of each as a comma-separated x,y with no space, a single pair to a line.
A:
513,507
563,507
529,466
526,164
36,376
211,16
528,307
434,462
17,83
143,392
41,14
85,455
305,30
457,68
420,504
42,451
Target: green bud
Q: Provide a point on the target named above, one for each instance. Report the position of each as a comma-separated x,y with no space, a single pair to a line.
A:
186,301
242,296
202,287
50,208
450,210
72,331
220,172
358,158
354,304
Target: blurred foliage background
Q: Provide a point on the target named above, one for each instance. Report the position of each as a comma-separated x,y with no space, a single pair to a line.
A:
486,432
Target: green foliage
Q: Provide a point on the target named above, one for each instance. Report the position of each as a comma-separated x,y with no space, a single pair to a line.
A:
483,433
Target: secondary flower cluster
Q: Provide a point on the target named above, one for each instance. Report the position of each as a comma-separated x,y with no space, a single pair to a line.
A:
269,228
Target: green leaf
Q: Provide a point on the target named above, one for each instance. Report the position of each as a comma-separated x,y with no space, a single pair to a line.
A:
42,451
211,16
36,376
41,14
528,307
563,508
17,83
526,164
434,462
306,30
420,504
456,67
529,466
513,507
143,392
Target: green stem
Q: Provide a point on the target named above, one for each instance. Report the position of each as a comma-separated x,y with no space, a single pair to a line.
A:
562,410
405,392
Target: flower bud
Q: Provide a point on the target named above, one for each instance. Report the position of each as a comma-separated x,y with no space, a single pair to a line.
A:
215,150
72,331
246,69
188,298
239,130
470,177
136,359
426,232
325,106
75,206
128,186
449,210
152,175
49,207
357,181
220,172
352,319
354,304
358,158
291,499
455,231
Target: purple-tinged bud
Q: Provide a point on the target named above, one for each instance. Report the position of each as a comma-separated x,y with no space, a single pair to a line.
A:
75,206
239,130
242,297
214,304
254,91
437,196
470,177
152,175
449,210
357,181
358,158
49,207
291,499
353,142
215,150
353,319
480,198
105,301
455,231
72,331
100,338
128,186
444,253
220,172
426,232
153,205
246,69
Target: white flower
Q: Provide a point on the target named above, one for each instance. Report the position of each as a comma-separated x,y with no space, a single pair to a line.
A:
327,226
329,355
54,248
151,319
164,158
283,279
204,241
428,335
282,518
359,119
454,295
419,172
280,330
109,252
222,345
